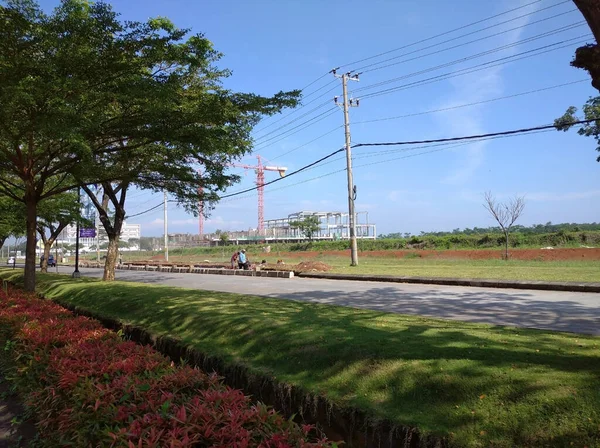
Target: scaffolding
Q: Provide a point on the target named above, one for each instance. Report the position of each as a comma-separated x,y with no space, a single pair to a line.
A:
332,226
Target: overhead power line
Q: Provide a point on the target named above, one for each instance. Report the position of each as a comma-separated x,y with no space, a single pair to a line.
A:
471,137
302,106
300,127
418,50
439,147
491,100
314,82
483,66
316,162
486,52
307,143
478,55
148,210
414,142
262,137
445,33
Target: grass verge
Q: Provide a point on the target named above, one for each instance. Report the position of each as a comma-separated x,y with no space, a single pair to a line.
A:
555,271
414,266
480,385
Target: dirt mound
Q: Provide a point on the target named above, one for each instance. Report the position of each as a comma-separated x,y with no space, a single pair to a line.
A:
312,266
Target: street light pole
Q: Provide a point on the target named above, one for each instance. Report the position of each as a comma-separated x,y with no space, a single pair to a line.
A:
76,273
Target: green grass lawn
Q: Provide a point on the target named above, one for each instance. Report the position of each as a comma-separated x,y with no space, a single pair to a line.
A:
480,385
567,271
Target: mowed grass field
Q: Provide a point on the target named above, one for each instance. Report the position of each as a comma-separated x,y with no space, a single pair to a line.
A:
476,385
414,266
571,271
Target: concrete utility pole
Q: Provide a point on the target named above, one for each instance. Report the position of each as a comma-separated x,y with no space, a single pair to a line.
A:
166,230
351,187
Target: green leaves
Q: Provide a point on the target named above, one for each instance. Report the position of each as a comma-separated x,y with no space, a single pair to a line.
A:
591,111
308,226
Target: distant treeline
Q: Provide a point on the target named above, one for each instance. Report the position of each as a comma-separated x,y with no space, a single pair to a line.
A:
491,240
536,236
534,229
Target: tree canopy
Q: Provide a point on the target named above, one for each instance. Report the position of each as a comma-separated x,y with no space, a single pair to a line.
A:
88,99
307,226
591,111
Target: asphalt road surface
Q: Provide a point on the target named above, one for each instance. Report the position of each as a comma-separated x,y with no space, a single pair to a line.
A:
554,310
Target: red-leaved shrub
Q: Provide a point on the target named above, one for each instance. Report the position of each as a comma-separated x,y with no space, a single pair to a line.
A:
89,388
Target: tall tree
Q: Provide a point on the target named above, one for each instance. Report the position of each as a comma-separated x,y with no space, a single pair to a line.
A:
82,92
505,214
588,56
307,226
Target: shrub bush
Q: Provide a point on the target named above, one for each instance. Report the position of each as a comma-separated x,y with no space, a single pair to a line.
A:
87,387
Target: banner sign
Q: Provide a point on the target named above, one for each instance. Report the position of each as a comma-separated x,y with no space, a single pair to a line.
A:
87,233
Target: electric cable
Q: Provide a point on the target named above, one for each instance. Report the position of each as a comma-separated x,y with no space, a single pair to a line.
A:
482,66
414,142
301,127
445,33
469,34
445,109
477,55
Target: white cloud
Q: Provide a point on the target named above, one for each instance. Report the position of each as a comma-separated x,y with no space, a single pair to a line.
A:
363,206
406,198
470,89
319,206
184,221
541,196
219,220
572,196
156,223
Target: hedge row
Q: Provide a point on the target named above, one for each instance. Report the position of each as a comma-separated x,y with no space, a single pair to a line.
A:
88,387
457,241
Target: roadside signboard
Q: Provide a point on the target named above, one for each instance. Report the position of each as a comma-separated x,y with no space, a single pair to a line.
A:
87,233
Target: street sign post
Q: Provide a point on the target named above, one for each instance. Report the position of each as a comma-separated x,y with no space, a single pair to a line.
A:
87,233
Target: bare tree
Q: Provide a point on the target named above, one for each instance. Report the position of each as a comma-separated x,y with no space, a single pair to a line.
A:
505,214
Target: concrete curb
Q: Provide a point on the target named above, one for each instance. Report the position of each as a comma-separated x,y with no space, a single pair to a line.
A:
195,270
483,283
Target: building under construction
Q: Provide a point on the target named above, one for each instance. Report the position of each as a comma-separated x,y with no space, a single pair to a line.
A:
332,226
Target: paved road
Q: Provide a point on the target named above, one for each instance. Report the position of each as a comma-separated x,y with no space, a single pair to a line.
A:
562,311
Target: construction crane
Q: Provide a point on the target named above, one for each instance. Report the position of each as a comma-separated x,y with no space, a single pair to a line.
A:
260,184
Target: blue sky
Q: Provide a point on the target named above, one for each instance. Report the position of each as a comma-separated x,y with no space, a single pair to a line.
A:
274,45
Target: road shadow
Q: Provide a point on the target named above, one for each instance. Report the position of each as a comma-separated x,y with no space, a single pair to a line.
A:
517,308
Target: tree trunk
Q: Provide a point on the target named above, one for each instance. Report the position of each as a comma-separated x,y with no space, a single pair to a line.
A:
111,257
506,246
47,248
44,262
31,229
588,56
591,12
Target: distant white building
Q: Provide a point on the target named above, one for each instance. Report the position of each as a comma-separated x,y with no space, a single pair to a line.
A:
128,232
